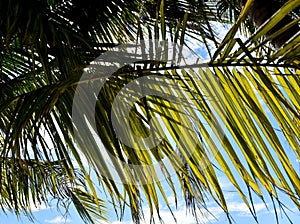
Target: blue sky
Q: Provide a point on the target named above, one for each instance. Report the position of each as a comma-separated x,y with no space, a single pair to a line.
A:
239,211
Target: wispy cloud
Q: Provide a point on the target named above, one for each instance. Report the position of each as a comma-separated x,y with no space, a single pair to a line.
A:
242,210
213,213
123,222
58,219
182,217
38,207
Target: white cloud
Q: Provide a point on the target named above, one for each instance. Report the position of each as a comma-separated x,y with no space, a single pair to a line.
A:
123,222
242,209
213,214
220,29
34,207
225,184
58,219
172,201
38,207
182,215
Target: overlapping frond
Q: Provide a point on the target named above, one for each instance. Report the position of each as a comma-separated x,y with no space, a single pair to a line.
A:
241,97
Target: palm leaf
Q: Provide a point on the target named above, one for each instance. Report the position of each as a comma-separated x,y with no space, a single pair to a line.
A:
41,65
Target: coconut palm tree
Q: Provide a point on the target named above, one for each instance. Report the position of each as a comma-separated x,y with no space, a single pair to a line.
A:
246,88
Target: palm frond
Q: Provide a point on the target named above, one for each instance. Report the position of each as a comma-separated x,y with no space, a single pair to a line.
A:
241,97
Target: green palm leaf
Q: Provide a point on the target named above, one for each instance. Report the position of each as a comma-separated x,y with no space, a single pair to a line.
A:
239,98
